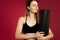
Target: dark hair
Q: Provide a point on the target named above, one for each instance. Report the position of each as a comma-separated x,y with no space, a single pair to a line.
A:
27,10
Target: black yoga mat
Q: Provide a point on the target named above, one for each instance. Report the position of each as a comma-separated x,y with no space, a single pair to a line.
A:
44,17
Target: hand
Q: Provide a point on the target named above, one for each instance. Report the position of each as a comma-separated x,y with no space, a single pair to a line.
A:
41,38
39,34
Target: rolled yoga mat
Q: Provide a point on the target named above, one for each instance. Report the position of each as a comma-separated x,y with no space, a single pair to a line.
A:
44,17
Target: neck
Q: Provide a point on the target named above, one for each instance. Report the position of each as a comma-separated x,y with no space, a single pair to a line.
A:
32,15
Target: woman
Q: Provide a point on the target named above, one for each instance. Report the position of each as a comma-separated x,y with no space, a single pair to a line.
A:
29,24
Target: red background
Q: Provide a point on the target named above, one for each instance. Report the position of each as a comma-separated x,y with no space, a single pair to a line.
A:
11,10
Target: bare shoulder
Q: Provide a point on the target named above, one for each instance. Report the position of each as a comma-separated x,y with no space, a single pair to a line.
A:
20,25
22,19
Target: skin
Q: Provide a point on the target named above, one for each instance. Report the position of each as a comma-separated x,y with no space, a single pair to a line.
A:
31,21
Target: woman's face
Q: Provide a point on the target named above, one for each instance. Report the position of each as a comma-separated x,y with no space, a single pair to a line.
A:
33,7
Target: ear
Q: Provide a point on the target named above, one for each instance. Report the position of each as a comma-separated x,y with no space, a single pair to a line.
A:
28,7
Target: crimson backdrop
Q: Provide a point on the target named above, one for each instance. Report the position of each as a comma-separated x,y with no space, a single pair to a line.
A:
11,10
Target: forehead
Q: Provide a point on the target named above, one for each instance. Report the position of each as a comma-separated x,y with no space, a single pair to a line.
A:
34,2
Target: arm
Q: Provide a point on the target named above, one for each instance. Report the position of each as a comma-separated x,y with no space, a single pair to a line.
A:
18,34
48,37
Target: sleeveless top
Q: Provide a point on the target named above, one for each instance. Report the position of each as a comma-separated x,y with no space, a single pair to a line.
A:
27,29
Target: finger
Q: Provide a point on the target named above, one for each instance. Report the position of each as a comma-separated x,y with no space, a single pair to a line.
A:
41,32
39,38
37,32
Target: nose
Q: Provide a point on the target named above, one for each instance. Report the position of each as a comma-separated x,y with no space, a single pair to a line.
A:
36,7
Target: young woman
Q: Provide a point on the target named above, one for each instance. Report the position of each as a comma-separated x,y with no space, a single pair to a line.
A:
29,24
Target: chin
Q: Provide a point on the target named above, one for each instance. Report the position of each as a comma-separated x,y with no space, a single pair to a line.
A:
35,12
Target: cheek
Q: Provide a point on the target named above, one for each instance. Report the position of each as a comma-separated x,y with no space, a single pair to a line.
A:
32,8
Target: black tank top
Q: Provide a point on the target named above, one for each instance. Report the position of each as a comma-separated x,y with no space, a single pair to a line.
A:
28,29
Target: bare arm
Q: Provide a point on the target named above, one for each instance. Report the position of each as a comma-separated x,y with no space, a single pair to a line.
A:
18,34
48,37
